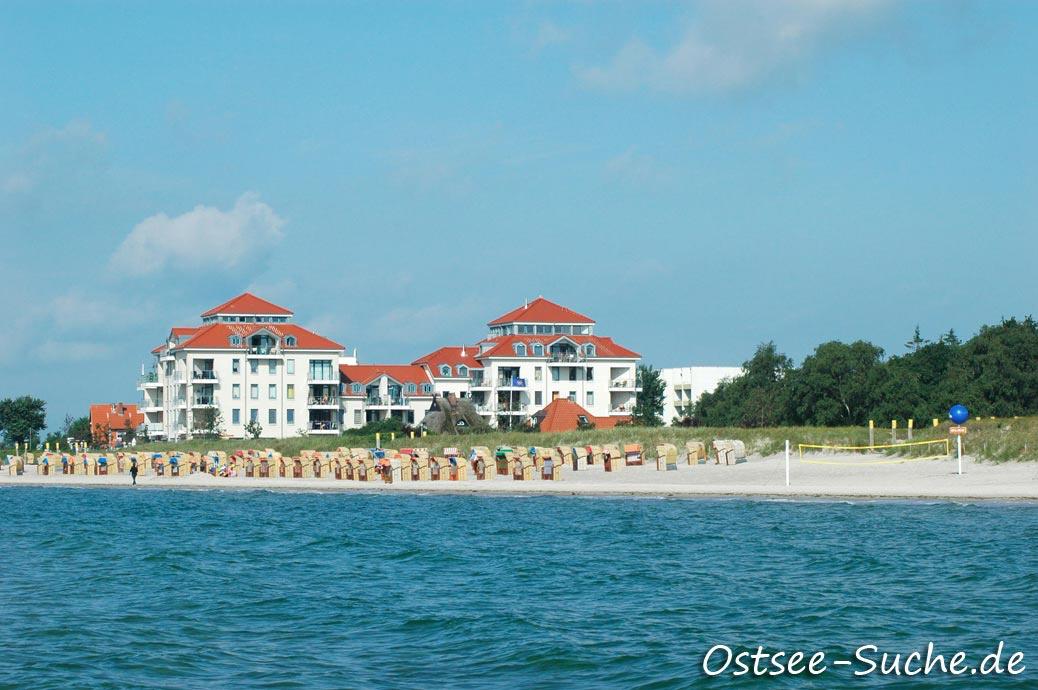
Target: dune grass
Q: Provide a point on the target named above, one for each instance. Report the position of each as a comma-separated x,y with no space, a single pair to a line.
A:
988,439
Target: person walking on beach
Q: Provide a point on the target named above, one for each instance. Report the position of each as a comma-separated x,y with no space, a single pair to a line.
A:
133,470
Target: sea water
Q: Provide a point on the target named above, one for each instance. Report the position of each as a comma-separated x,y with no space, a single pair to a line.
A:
151,588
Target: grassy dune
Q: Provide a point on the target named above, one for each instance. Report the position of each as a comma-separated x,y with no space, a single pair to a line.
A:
988,439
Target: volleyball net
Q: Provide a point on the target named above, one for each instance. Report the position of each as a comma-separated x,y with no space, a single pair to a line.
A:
877,454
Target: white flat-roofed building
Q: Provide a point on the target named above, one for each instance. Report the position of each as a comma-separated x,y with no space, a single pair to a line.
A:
251,363
684,386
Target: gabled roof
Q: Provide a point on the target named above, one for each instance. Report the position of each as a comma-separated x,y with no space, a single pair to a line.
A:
217,336
541,310
452,357
401,373
562,414
501,346
115,416
248,303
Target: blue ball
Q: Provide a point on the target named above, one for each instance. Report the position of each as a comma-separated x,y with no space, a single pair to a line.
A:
959,414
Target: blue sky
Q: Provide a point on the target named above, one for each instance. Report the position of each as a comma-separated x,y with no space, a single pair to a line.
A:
699,177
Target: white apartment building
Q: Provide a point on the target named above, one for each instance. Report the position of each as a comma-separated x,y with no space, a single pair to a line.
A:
684,385
374,392
532,355
251,363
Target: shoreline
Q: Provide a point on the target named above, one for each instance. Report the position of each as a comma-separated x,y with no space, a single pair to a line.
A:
758,478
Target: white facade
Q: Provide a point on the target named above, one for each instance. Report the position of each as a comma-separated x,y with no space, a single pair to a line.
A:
684,385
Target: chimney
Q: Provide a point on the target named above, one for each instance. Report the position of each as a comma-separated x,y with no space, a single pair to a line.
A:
462,350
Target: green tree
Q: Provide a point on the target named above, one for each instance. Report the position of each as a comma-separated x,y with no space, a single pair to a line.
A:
999,371
22,419
208,422
253,429
648,408
759,397
79,429
835,385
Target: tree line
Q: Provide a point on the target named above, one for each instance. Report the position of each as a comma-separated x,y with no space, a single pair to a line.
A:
994,373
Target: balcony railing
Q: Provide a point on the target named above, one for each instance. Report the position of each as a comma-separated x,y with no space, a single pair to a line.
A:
566,357
386,401
321,425
150,377
622,409
511,382
325,400
323,376
259,351
155,428
623,383
206,401
203,375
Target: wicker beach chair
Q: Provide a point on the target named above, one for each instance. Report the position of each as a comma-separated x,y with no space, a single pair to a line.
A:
666,457
595,456
633,454
504,460
480,462
579,458
694,452
523,468
612,458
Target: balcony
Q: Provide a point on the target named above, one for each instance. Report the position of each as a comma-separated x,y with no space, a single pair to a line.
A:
203,376
624,385
511,382
177,378
150,405
155,429
149,380
386,401
323,401
326,377
263,351
324,427
180,402
205,401
479,384
566,357
622,409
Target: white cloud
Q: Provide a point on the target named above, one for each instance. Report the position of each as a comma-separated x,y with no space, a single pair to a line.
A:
53,155
636,167
734,44
204,237
73,350
550,34
431,321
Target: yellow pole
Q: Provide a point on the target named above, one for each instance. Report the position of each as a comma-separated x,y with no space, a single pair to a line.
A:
936,422
378,440
893,431
911,425
423,433
392,435
412,434
872,431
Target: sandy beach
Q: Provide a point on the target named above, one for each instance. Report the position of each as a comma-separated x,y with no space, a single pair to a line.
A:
757,477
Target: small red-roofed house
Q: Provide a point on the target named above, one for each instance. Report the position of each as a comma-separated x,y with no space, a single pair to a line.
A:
113,424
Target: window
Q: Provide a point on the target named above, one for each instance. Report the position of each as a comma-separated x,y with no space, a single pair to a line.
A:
589,350
290,341
538,398
544,329
572,396
589,374
463,371
236,416
272,416
427,388
321,370
235,341
290,416
253,415
537,374
290,366
590,398
254,391
538,350
290,392
235,366
272,392
254,366
357,388
554,373
411,388
272,366
561,329
445,370
572,373
236,391
357,421
520,349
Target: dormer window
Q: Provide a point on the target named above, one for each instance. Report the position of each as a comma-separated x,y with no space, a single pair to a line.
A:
290,341
589,350
520,349
538,350
445,370
357,388
427,388
411,388
235,341
463,371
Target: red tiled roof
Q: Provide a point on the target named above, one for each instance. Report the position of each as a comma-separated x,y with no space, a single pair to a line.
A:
541,310
116,416
248,303
217,336
604,347
158,349
184,330
401,373
562,414
451,356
